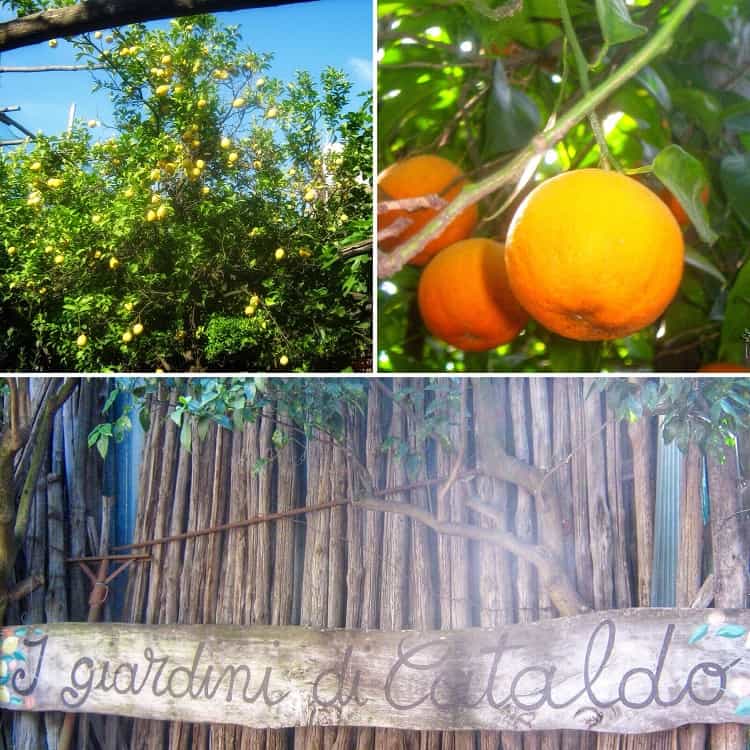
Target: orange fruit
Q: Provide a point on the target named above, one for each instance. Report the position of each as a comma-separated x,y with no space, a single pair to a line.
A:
421,176
594,255
464,297
723,367
677,210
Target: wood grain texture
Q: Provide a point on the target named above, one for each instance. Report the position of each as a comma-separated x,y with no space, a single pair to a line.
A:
627,671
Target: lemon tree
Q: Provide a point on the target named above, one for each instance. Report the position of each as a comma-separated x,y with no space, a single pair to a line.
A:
206,232
514,93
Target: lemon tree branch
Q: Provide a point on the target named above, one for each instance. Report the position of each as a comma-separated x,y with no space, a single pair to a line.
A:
388,264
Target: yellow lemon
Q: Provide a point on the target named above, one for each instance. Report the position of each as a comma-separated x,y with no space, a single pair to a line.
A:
283,360
128,306
225,142
52,43
97,35
255,300
161,212
260,82
233,156
82,340
138,329
310,195
257,164
201,103
92,123
279,254
49,249
35,166
113,262
304,253
11,250
200,163
151,215
239,102
272,113
249,310
166,59
156,198
127,337
162,90
205,190
59,258
155,174
54,182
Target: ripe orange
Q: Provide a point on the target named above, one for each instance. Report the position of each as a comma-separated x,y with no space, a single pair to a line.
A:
421,176
677,210
464,297
723,367
594,255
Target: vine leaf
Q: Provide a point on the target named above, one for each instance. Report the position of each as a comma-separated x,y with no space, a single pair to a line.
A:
698,633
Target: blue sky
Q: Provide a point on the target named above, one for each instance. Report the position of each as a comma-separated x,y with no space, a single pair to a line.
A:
309,36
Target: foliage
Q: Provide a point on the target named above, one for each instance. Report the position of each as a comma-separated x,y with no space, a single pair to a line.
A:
309,404
707,411
475,91
206,232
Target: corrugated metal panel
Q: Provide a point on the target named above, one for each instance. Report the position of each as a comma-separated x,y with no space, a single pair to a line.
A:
666,522
121,472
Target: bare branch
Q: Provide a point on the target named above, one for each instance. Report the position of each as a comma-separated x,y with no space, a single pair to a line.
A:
560,590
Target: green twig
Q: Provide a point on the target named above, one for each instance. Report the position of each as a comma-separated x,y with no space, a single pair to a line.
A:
389,263
582,66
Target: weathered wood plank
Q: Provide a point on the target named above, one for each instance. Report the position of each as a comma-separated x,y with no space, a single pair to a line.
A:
618,671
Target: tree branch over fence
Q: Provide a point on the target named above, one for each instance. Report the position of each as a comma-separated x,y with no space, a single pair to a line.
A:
101,14
561,592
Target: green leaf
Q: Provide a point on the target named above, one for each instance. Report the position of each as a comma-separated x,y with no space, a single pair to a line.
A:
735,179
652,81
93,437
701,107
110,400
102,445
697,260
203,424
731,630
736,318
685,178
617,26
511,118
144,417
186,435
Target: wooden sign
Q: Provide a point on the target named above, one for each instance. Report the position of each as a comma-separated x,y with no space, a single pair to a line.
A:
632,670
